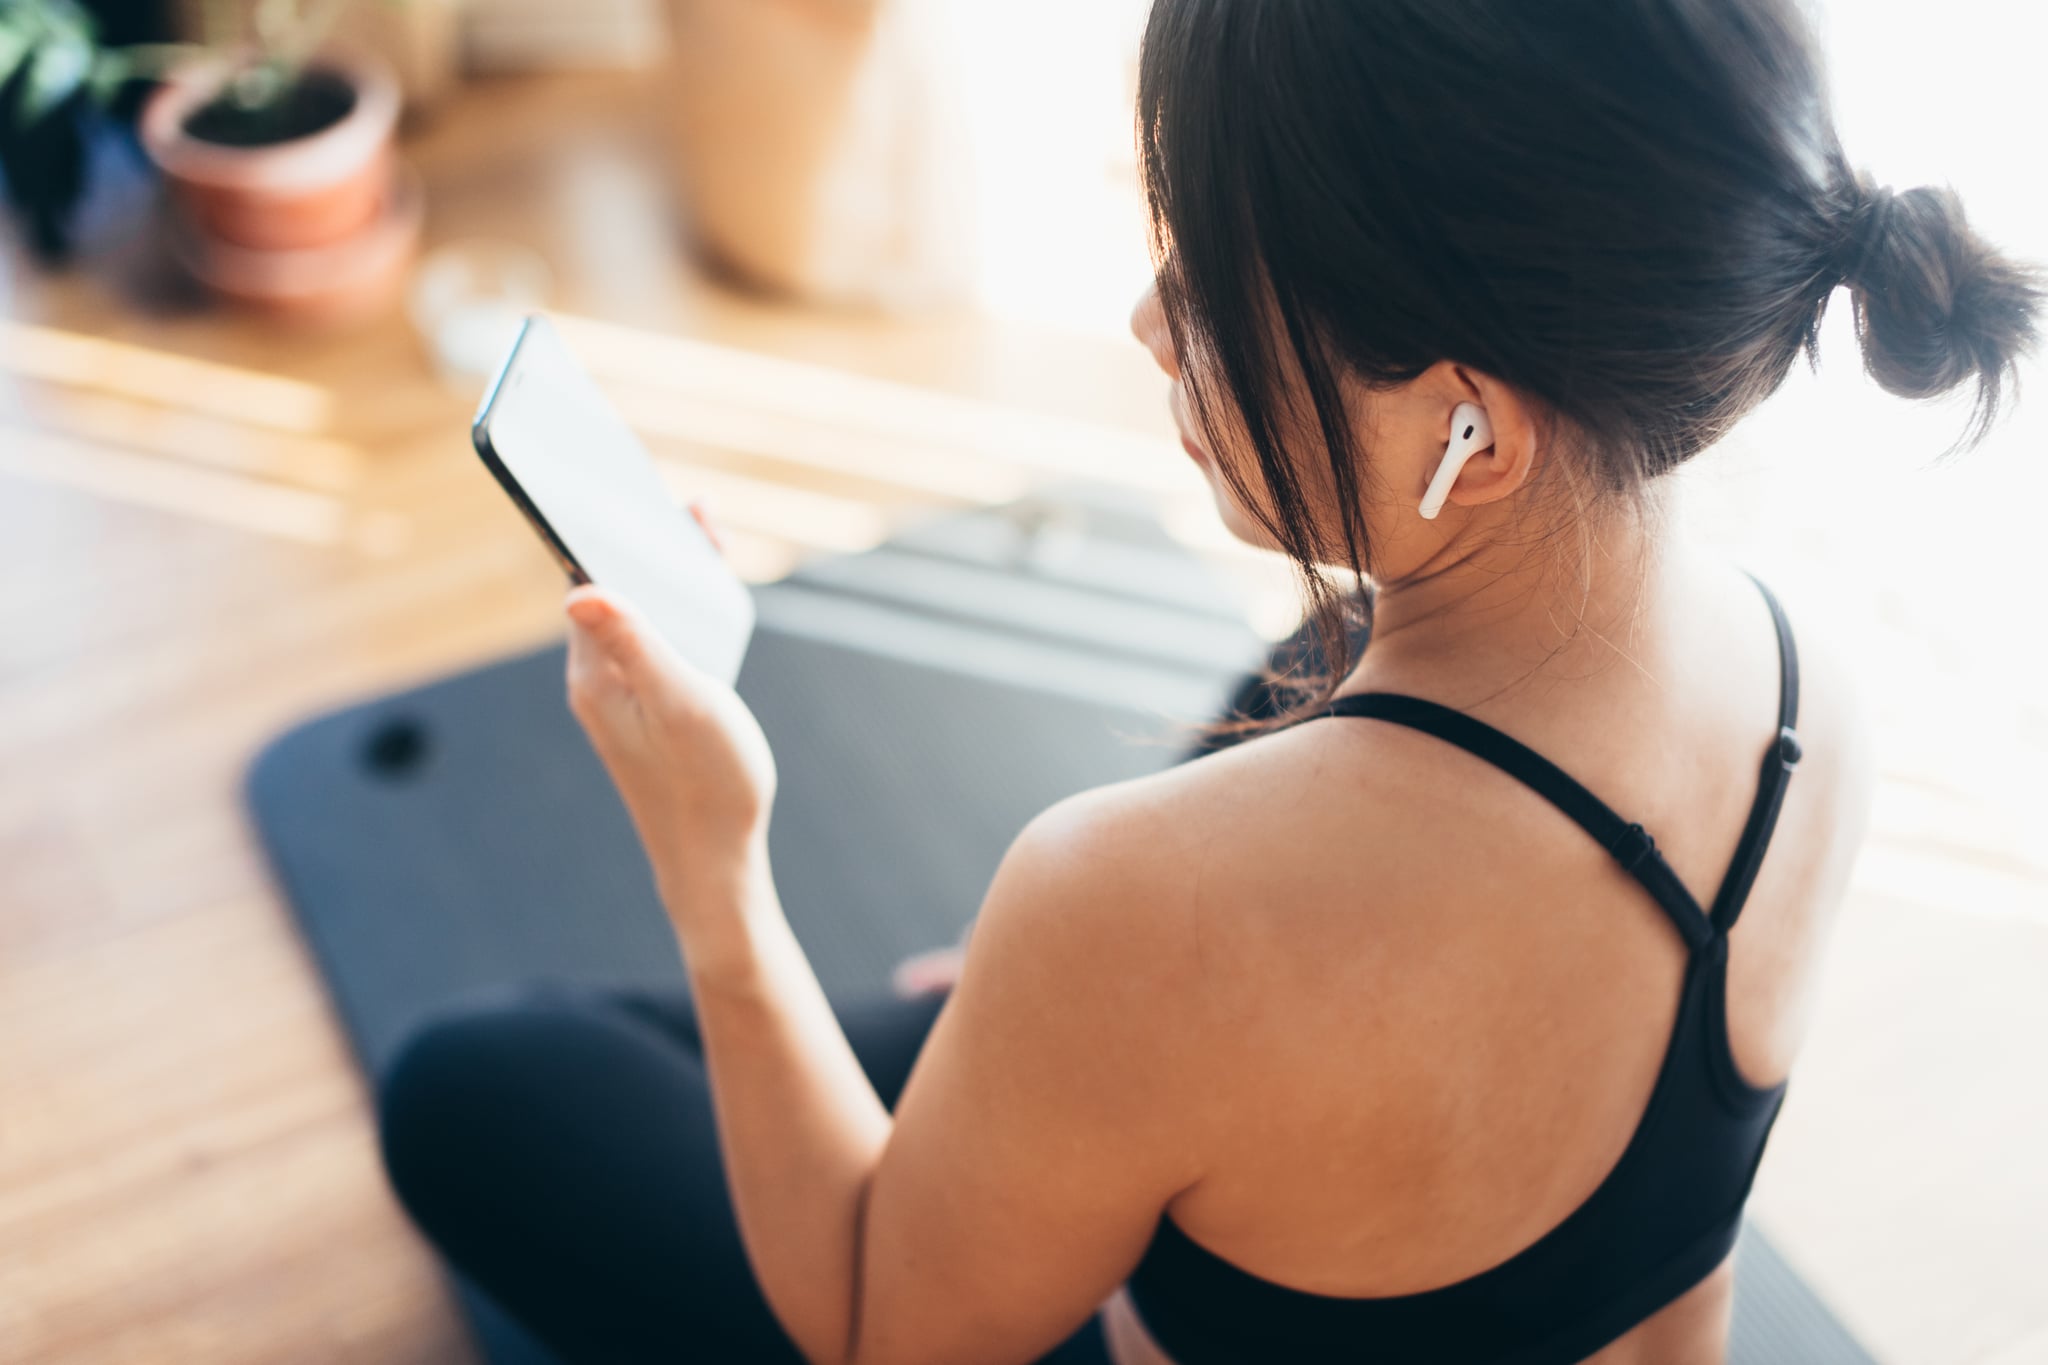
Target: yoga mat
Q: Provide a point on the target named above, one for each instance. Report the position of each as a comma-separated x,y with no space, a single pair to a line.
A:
924,701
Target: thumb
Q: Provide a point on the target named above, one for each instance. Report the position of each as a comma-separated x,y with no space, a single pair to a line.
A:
612,628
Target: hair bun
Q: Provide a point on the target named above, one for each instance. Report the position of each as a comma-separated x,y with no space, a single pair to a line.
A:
1935,304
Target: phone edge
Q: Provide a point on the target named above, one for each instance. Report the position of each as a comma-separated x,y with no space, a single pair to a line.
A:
480,440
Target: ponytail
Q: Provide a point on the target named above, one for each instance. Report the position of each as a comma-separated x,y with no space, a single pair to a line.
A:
1936,306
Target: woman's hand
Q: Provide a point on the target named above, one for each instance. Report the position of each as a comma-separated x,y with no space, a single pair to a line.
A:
686,754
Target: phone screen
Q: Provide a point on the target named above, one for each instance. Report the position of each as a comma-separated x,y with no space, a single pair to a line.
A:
588,485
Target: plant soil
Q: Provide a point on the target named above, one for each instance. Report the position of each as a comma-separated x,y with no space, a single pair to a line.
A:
315,101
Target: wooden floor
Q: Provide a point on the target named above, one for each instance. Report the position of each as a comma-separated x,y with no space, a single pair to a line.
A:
209,531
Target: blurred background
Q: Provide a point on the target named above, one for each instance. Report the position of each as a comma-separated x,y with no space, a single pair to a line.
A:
848,265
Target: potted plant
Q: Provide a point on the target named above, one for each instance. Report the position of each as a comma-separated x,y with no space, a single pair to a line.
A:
278,151
279,157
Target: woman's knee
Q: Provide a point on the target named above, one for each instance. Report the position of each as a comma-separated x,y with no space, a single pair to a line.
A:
456,1102
425,1101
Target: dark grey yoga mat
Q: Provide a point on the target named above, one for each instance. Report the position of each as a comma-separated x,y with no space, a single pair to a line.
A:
924,701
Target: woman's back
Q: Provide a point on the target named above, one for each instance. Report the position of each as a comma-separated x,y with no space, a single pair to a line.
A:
1437,1007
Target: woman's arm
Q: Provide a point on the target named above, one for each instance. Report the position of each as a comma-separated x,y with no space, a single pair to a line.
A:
800,1127
1040,1134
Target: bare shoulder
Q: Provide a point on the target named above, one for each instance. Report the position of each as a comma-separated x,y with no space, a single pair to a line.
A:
1095,878
1174,882
1142,854
1080,976
1110,949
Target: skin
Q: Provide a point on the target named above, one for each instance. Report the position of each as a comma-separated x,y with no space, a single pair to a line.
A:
1284,972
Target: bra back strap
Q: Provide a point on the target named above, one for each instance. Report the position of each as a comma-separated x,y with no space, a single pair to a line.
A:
1629,843
1780,758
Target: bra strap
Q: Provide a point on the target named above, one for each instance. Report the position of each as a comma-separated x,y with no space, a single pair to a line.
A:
1780,758
1629,843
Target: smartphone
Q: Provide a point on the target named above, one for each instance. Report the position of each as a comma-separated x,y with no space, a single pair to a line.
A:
569,462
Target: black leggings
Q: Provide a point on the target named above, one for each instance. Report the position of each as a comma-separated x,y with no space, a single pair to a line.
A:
557,1144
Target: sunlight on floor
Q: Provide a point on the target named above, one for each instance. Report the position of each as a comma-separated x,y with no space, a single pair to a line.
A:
139,372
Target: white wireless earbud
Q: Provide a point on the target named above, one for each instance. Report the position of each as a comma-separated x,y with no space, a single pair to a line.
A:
1470,434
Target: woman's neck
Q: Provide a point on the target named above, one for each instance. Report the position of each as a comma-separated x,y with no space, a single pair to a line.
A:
1505,613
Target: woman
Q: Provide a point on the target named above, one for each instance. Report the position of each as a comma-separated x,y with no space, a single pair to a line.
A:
1440,1015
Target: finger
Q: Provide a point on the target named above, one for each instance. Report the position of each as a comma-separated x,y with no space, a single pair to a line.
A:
593,683
612,633
703,516
588,665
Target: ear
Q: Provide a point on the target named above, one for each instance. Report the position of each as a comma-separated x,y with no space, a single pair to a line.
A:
1500,470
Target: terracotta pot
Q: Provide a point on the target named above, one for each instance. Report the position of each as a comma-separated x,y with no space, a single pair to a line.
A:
307,192
332,284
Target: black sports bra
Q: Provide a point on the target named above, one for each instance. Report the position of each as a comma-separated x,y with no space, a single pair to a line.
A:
1664,1217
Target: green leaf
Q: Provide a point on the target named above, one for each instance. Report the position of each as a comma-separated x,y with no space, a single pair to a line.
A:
14,45
59,67
153,61
109,73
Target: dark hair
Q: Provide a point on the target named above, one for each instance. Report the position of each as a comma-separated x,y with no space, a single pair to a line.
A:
1632,211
